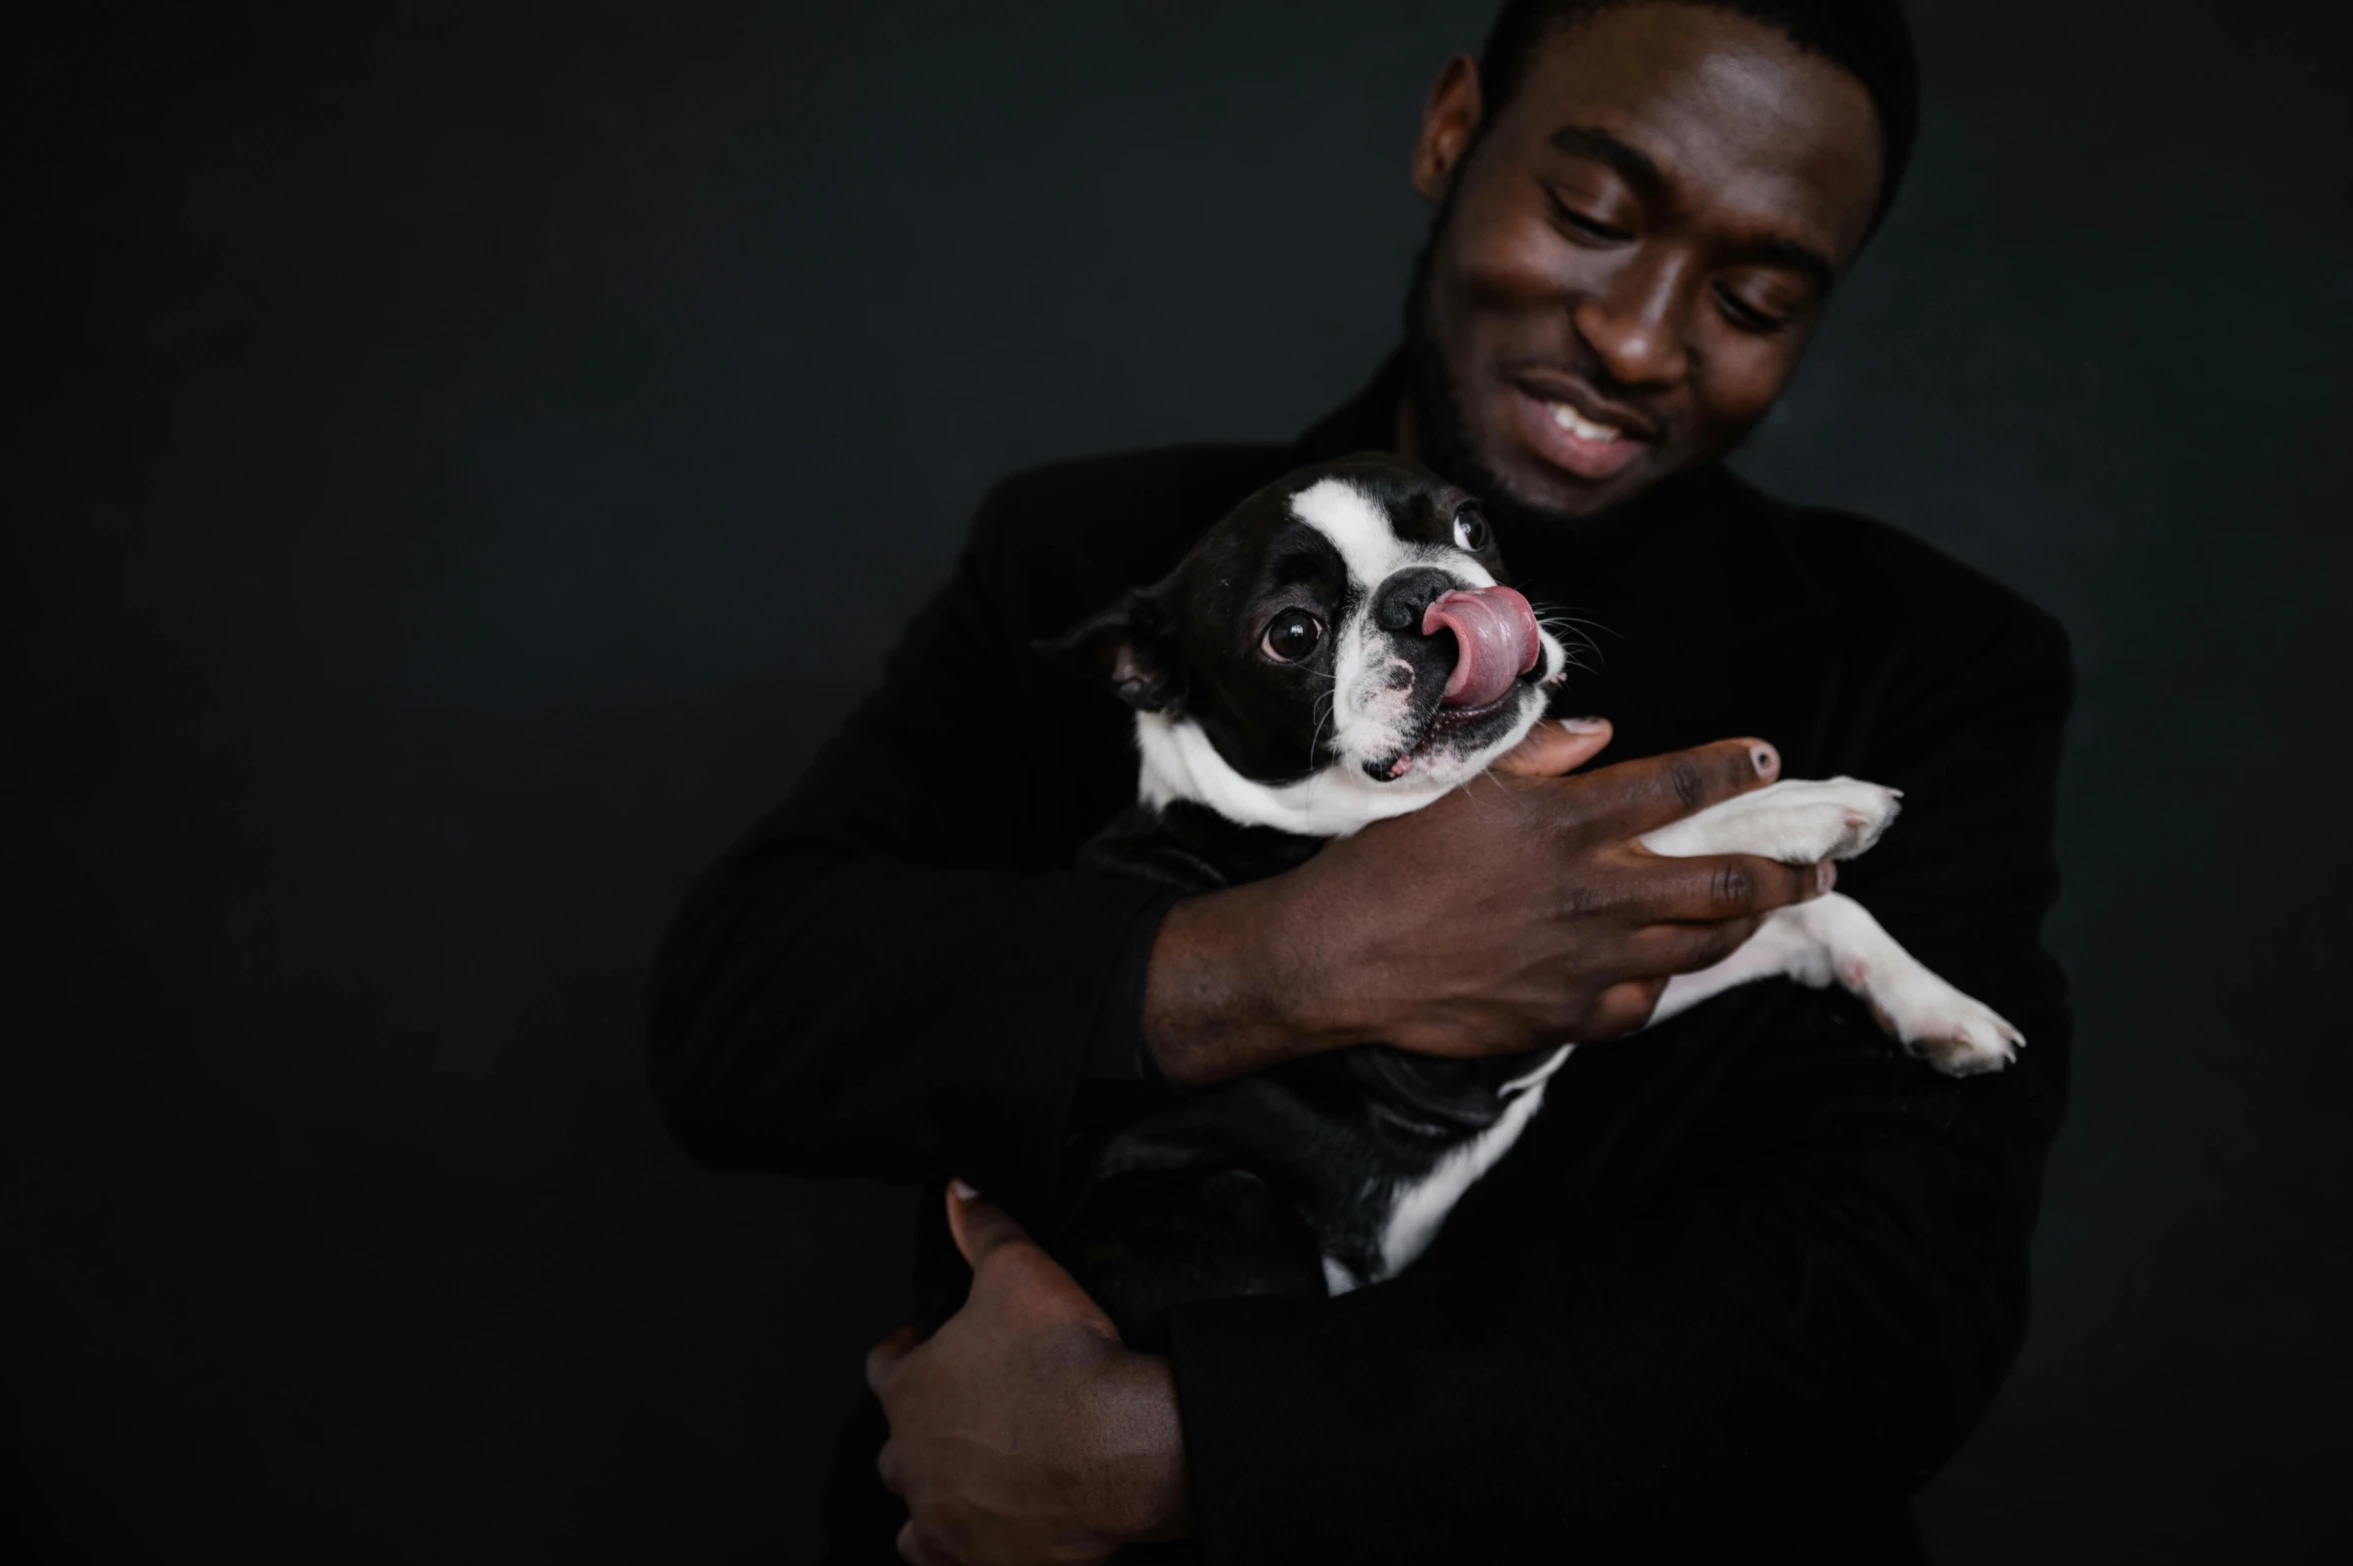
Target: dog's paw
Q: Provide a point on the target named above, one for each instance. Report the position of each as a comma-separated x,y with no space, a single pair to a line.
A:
1796,823
1936,1023
1837,818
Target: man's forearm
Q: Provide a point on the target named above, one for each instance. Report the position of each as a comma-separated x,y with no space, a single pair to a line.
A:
820,1013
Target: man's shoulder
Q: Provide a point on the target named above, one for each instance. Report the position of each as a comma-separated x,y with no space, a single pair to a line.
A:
1894,588
1054,543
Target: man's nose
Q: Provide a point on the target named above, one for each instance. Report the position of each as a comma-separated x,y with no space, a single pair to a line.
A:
1635,324
1399,604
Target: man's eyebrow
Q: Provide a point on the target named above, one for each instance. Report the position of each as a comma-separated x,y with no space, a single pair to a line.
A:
1639,169
1632,164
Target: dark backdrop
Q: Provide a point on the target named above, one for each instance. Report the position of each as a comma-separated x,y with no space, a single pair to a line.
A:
459,460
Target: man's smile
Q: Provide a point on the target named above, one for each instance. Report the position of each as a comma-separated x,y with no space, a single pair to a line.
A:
1568,427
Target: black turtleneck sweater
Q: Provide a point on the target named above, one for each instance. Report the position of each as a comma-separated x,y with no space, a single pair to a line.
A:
1750,1276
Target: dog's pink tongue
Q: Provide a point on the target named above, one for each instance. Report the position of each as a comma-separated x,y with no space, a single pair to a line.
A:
1494,638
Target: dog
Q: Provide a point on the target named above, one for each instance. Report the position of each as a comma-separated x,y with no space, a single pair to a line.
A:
1343,647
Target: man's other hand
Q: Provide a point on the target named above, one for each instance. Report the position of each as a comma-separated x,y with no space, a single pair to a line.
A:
1024,1431
1515,914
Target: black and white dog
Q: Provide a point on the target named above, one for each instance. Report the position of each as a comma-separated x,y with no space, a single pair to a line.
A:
1344,647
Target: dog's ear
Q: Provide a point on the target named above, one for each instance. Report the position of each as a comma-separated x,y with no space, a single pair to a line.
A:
1129,647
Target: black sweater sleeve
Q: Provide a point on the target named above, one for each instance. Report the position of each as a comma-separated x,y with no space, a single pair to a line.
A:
895,974
1788,1296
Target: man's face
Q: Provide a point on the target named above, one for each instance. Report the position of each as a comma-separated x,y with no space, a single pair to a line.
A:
1632,253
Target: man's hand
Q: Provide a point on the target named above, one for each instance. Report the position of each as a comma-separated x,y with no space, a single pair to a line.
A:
1513,915
1024,1431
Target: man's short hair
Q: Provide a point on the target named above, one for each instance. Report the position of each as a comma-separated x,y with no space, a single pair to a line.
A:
1869,39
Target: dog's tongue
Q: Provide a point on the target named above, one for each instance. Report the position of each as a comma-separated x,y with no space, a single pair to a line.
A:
1495,642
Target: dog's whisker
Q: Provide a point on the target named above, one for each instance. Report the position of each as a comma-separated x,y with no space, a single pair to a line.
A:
1325,705
1569,627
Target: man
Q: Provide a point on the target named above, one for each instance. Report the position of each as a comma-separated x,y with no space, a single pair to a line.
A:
1749,1278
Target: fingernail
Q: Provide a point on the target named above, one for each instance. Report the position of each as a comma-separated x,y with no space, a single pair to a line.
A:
965,1190
1584,725
1768,760
1825,876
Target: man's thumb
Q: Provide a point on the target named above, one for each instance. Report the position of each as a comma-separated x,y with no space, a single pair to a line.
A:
978,1224
1555,746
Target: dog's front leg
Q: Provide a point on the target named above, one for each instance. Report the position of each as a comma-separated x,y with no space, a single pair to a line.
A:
1783,948
1836,941
1953,1032
1833,938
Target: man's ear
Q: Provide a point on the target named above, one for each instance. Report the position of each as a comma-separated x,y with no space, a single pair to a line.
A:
1129,647
1450,123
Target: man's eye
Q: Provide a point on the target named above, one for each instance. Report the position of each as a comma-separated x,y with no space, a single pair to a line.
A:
1470,529
1747,317
1591,228
1294,634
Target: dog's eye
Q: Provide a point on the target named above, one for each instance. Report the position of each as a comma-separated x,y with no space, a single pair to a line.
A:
1470,529
1294,634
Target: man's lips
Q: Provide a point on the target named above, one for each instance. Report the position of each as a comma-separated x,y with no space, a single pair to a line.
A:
1570,428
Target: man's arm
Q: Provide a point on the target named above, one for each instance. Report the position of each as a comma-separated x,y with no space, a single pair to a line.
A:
896,974
1516,913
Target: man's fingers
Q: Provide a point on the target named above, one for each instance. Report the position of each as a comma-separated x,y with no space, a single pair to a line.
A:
1724,886
979,1225
918,1548
1622,1008
1553,748
1659,789
1668,949
884,1357
1026,1277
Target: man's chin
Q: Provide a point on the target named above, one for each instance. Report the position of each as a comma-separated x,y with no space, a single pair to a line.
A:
1529,496
1570,479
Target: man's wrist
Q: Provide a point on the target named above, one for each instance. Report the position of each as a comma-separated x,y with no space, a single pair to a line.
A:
1139,1436
1223,995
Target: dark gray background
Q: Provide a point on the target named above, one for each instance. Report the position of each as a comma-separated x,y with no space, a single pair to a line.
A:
459,460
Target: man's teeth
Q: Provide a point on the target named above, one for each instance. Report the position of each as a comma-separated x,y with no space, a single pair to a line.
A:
1582,427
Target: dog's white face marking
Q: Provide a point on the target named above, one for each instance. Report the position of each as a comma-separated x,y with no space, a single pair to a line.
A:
1371,711
1370,708
1360,530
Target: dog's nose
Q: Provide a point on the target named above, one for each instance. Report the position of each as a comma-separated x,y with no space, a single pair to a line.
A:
1398,606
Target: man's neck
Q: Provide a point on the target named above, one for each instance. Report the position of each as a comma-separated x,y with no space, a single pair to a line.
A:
1405,436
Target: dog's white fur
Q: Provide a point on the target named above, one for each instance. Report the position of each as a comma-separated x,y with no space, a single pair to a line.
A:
1831,939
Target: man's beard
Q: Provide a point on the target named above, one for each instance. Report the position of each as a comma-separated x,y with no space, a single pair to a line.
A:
1443,430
